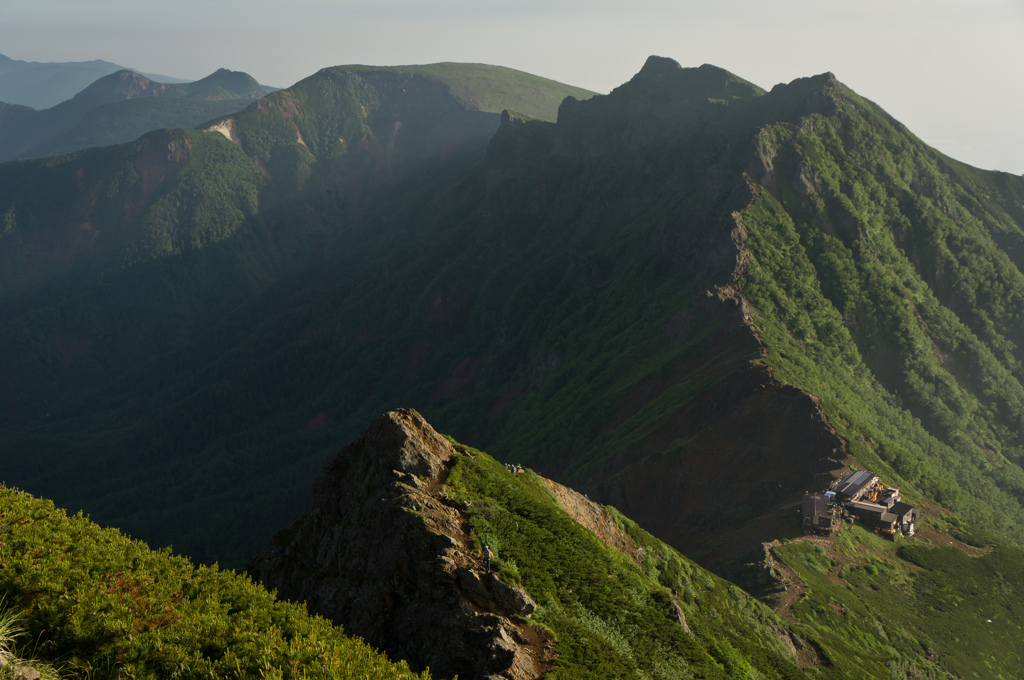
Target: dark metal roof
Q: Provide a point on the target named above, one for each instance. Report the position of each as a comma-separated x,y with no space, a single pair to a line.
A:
815,504
858,478
853,484
900,509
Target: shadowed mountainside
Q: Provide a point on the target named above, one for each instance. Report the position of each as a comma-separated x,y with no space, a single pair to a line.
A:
690,296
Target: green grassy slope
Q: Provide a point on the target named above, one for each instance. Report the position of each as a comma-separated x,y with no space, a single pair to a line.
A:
875,604
495,88
872,608
612,618
96,604
889,286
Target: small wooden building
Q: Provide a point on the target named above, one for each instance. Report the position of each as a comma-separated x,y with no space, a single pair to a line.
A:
874,515
906,516
817,514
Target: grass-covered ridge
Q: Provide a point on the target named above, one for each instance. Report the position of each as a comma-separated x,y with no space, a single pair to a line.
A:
611,617
493,89
96,604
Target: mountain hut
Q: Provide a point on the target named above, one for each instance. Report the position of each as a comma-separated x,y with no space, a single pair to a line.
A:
856,485
817,514
874,515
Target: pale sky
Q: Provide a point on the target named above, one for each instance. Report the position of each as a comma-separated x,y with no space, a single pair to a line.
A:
948,69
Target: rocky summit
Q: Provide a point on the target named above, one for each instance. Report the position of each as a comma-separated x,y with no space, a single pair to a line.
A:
386,553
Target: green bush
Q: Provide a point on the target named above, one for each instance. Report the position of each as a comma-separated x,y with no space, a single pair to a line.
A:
96,603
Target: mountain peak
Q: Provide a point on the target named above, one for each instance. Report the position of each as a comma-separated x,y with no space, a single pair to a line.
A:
120,85
665,67
703,82
226,84
663,100
656,66
384,521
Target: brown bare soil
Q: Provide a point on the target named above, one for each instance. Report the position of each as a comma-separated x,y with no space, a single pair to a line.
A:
595,519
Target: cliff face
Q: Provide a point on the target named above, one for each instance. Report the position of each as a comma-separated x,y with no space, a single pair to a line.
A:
386,554
725,464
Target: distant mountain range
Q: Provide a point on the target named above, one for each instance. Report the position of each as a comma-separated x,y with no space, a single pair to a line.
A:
40,85
119,108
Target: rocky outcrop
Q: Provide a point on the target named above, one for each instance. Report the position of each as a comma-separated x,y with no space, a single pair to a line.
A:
385,553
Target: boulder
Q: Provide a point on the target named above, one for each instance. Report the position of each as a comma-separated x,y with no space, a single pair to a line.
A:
511,598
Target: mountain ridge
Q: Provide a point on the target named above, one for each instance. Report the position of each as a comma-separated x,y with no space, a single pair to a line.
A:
40,85
409,579
694,305
470,297
120,107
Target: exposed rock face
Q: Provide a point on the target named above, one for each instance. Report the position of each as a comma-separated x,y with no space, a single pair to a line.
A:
383,553
511,598
762,443
19,673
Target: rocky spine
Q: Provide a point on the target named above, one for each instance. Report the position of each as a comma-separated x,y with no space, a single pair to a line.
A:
386,554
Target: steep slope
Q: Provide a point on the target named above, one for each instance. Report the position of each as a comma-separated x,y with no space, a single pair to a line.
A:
121,107
391,549
898,270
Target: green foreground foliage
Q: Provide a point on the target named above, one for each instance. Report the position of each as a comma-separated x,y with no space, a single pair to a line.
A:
96,604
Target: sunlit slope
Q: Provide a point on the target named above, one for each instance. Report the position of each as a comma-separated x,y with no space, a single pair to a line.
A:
391,549
928,603
887,280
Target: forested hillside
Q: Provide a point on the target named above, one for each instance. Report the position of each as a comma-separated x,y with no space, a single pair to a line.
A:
888,280
129,270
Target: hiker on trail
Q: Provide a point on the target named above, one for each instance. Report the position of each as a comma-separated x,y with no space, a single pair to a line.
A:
487,557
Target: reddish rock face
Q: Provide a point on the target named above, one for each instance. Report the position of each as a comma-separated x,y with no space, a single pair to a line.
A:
762,445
